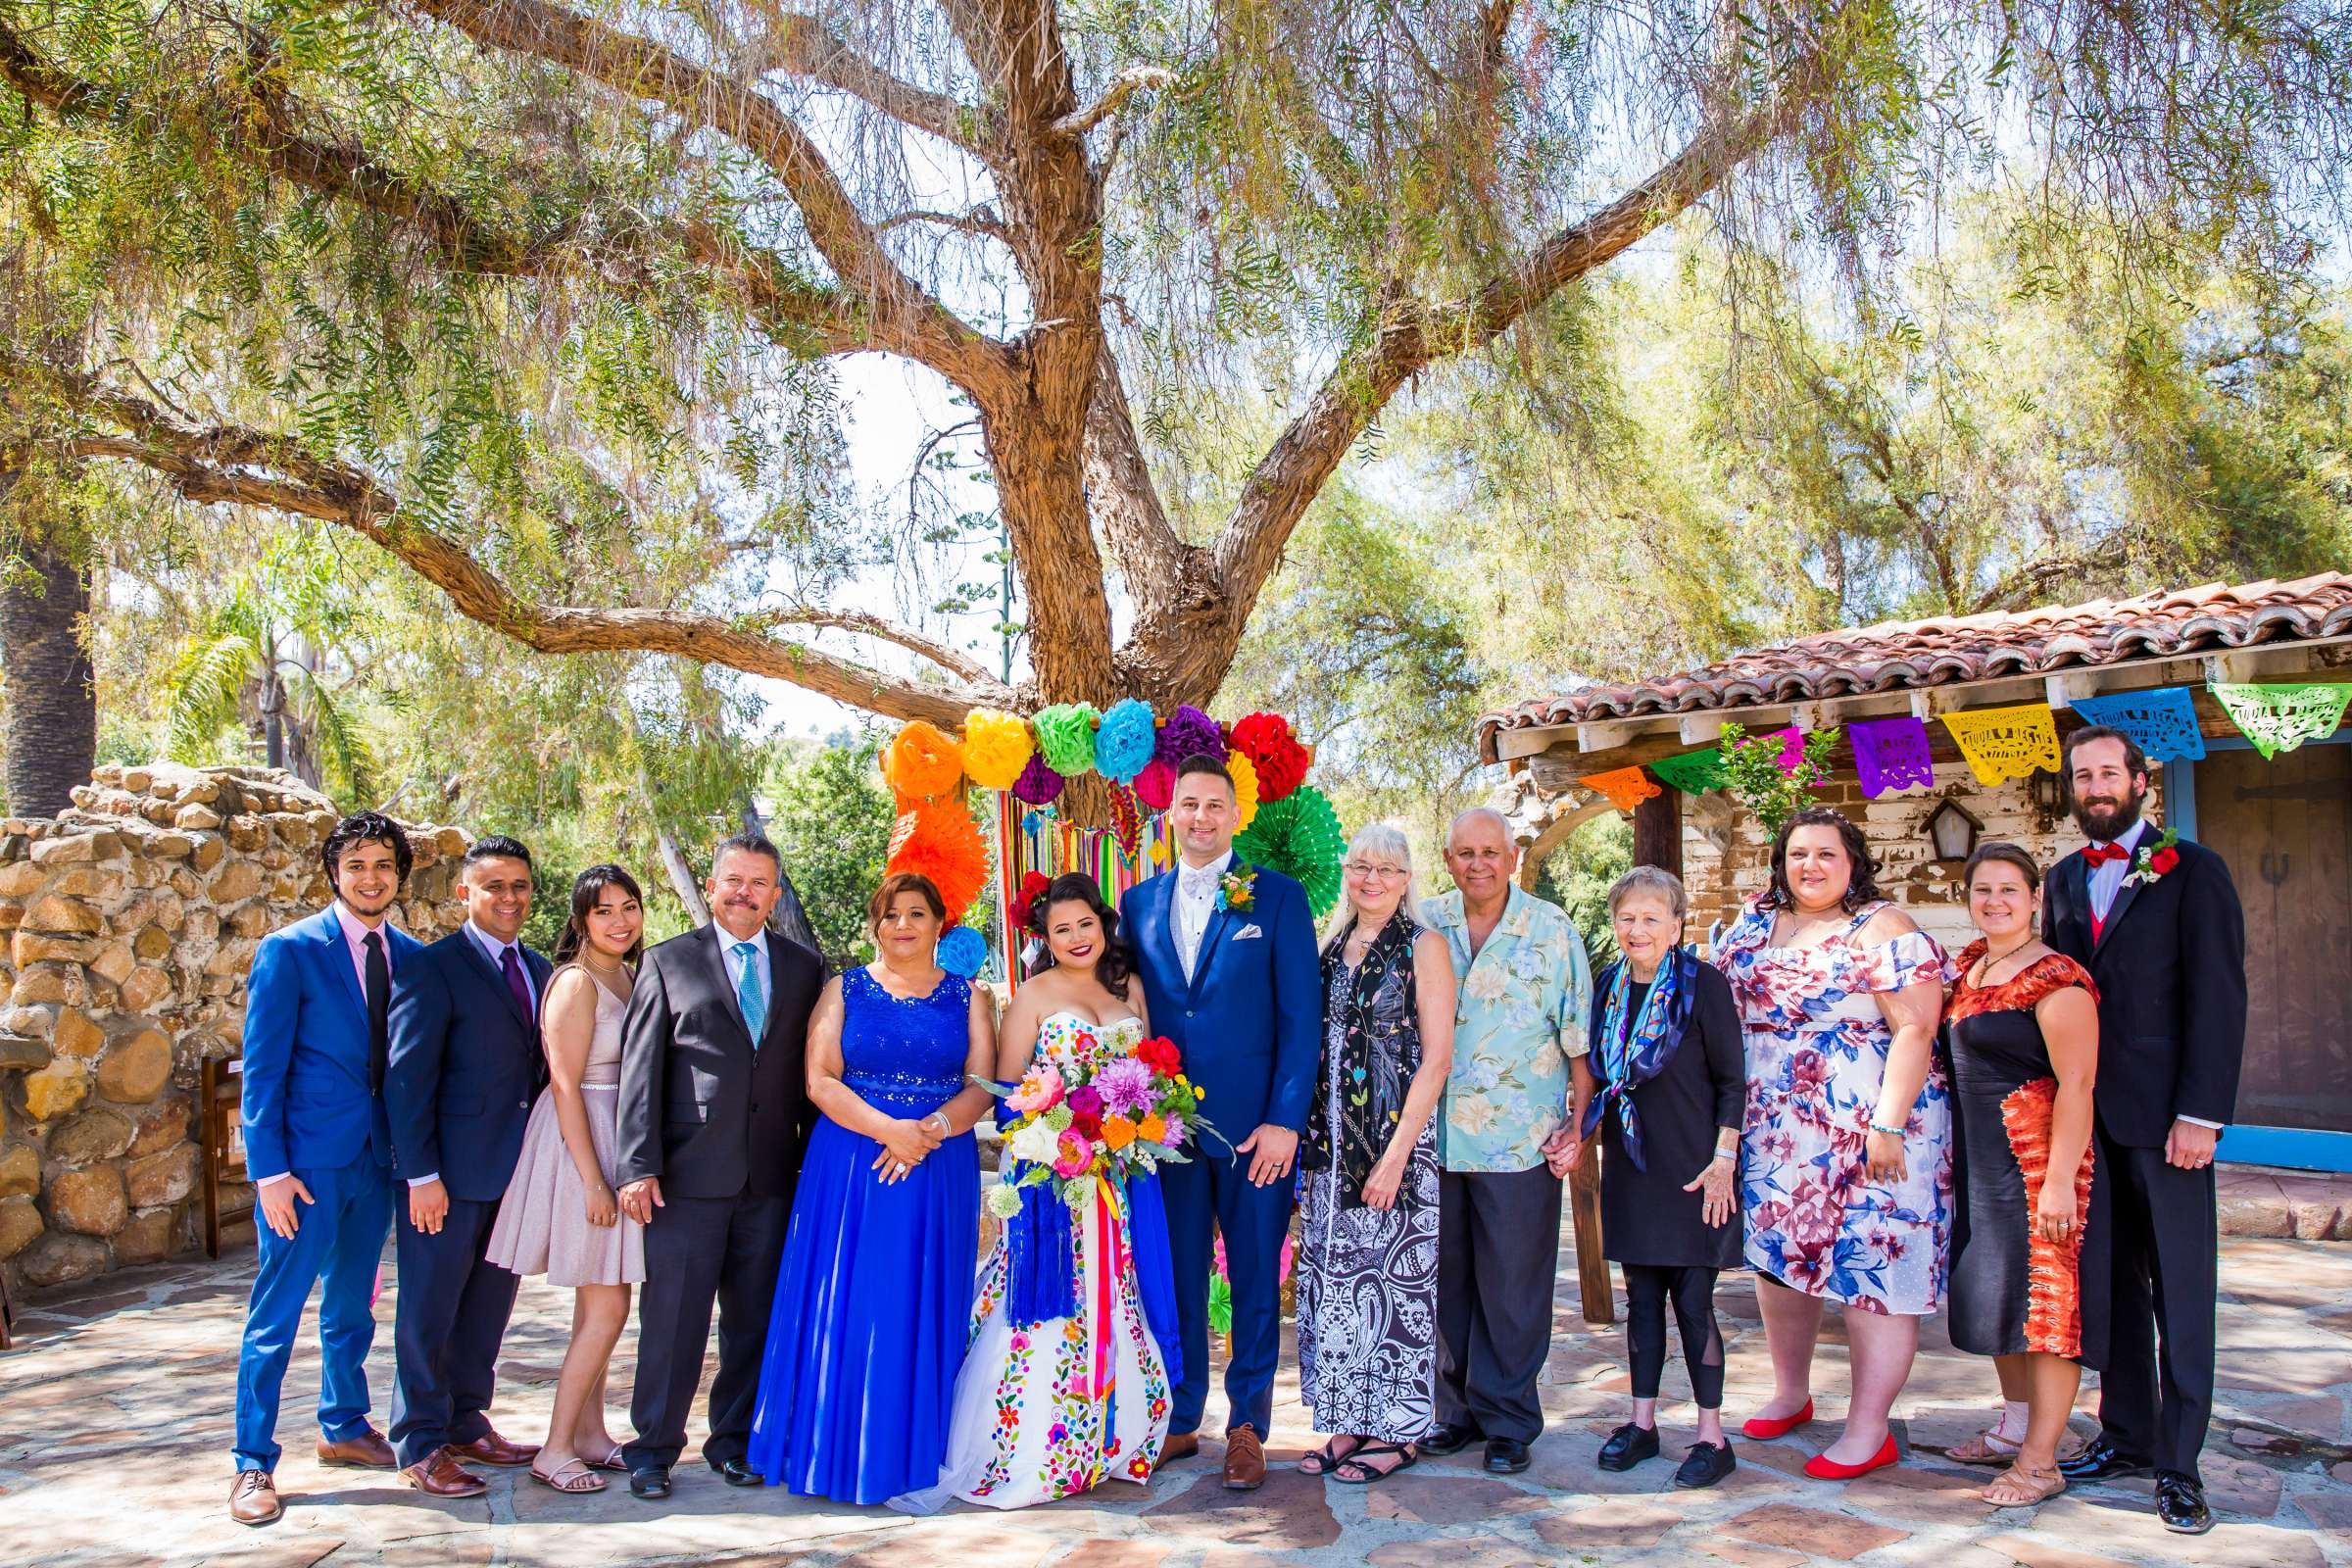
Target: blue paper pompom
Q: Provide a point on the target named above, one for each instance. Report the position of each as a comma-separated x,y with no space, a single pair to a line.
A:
963,950
1126,741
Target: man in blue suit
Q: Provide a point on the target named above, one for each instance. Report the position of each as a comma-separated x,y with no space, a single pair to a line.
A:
1227,953
465,1067
317,1040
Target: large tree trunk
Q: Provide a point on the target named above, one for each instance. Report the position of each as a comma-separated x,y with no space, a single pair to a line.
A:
52,698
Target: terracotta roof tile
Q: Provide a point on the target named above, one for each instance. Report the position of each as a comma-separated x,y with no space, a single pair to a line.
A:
1902,656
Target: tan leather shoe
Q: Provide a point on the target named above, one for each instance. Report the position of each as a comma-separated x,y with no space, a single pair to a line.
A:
440,1476
366,1451
253,1499
491,1448
1180,1445
1244,1460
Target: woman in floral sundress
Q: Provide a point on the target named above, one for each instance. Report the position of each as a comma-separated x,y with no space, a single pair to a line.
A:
1846,1155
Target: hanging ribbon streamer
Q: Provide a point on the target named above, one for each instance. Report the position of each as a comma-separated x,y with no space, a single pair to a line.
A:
1890,754
2163,722
1693,773
1624,786
2006,742
2279,717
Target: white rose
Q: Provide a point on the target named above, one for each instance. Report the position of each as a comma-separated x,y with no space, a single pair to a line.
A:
1036,1143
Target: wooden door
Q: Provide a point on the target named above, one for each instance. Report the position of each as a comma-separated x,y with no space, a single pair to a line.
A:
2285,828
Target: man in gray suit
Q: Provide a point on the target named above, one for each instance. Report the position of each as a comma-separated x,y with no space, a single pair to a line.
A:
713,1117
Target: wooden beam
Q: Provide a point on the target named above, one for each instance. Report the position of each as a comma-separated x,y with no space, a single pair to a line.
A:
1606,736
1512,744
1697,729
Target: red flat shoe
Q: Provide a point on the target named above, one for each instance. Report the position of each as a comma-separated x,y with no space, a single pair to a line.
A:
1821,1467
1766,1427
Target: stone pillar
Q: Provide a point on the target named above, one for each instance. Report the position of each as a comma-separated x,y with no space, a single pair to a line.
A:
126,928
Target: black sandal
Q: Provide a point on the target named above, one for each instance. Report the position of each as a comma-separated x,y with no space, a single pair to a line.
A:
1366,1476
1325,1459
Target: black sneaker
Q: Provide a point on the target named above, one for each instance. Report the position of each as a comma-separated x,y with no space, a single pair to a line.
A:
1705,1464
1628,1446
1446,1437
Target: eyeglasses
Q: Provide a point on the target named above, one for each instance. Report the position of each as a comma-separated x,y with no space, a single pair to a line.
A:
1367,871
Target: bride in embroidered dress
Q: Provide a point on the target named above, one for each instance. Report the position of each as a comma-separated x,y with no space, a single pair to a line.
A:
1065,1381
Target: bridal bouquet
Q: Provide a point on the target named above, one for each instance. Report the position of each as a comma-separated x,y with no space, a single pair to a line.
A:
1093,1109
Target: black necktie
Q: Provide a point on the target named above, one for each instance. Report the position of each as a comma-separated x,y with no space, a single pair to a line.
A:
379,1012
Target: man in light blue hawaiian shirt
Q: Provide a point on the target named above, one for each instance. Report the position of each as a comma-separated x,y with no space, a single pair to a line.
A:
1524,989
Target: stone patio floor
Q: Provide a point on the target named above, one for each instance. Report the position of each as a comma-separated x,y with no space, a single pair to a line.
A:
115,1418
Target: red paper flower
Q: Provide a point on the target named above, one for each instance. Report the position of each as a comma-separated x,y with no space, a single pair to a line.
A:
2163,860
1281,762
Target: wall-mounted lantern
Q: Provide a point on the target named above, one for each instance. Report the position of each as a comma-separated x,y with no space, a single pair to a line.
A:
1954,829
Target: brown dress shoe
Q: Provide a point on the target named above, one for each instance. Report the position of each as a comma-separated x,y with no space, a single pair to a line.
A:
440,1476
1179,1446
491,1448
253,1499
366,1451
1244,1460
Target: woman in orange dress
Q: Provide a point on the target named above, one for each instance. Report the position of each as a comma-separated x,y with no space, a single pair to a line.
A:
2023,1030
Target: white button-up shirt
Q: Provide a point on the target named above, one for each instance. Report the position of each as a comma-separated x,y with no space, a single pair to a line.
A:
1194,902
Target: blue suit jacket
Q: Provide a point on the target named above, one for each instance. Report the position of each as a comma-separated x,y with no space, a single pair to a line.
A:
306,1100
1249,1025
465,1065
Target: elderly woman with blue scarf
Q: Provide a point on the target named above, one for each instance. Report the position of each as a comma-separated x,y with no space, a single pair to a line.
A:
1664,1088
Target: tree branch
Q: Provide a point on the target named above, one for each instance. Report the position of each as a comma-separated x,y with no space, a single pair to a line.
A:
905,318
1123,86
961,666
234,464
801,45
982,221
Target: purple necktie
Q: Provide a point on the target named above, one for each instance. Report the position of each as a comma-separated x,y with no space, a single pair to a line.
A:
512,967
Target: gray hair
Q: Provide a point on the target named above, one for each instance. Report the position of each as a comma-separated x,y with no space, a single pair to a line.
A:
1481,813
1387,840
1651,879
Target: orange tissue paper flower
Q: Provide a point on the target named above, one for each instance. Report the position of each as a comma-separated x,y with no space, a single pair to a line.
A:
923,762
939,840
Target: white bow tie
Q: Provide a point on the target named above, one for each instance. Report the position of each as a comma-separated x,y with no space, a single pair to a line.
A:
1196,877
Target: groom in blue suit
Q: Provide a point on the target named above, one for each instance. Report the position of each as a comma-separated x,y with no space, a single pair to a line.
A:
1227,954
317,1040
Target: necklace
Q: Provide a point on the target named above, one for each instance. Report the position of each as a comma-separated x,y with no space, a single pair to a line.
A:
1984,965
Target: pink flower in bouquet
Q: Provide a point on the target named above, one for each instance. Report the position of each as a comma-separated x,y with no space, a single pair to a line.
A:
1125,1087
1176,1131
1086,1100
1074,1154
1040,1089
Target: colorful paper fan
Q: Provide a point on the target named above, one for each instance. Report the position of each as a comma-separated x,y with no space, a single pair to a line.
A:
962,950
1038,784
1244,788
1281,762
1126,821
1299,836
1156,785
1066,737
1125,742
922,763
939,840
996,748
1189,733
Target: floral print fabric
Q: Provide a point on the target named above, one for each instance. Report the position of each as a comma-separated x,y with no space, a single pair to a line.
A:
1520,1013
1817,1049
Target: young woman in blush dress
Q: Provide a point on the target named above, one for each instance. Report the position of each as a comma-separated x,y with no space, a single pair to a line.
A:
559,1217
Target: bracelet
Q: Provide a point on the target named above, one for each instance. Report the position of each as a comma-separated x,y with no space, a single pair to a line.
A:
1727,1153
943,1124
1877,1127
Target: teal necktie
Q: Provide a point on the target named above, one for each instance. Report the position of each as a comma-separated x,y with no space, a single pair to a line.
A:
747,992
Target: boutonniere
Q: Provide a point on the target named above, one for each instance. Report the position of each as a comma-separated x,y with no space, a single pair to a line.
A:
2154,860
1237,889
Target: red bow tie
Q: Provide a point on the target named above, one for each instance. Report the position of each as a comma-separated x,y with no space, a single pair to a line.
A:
2101,853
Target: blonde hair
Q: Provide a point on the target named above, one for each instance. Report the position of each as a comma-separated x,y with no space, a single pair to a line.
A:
1388,840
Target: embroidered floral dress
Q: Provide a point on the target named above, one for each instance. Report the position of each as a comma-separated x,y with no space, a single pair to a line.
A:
1045,1412
1817,1049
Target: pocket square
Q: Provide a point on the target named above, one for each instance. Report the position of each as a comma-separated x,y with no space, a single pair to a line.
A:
1246,932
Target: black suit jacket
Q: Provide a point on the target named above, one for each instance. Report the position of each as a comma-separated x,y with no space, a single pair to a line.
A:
699,1108
2171,968
465,1066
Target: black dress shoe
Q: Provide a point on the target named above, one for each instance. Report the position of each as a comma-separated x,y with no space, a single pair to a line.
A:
2181,1504
650,1482
2100,1461
1628,1446
1705,1464
1446,1437
1506,1456
739,1473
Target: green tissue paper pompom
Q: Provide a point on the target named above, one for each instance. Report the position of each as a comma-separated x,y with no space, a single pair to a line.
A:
1066,737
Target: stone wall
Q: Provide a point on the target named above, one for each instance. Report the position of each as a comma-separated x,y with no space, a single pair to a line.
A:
126,928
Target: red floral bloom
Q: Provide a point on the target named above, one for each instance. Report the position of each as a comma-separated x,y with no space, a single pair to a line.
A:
1087,1122
2163,860
1161,1054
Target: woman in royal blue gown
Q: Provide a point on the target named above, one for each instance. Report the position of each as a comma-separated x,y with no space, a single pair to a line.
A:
875,1293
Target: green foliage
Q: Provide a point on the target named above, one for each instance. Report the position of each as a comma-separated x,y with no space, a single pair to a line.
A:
1761,773
1579,875
832,823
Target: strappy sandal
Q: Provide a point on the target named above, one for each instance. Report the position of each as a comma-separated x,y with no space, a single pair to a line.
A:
574,1475
611,1462
2025,1487
1328,1457
1365,1475
1988,1447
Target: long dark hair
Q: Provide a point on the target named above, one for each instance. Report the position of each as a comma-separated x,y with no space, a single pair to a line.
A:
1864,889
1075,887
586,889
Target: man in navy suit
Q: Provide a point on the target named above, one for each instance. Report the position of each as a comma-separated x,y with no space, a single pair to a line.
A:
465,1067
1227,953
318,1041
